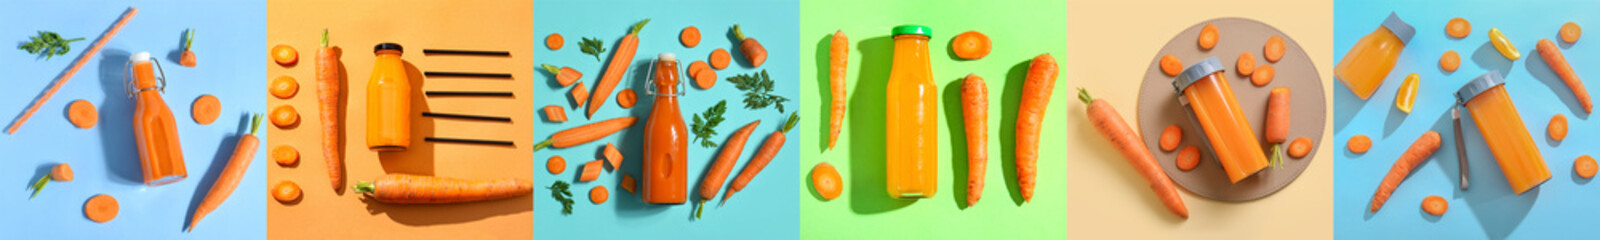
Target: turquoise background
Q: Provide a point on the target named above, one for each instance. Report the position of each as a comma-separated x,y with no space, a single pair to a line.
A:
230,46
1488,209
766,208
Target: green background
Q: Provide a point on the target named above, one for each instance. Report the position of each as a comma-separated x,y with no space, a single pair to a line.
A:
1019,31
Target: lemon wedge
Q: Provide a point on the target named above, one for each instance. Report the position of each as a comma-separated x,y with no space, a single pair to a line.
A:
1407,96
1504,45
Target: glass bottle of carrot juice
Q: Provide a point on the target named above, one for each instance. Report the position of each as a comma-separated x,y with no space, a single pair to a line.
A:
154,129
912,139
665,137
388,101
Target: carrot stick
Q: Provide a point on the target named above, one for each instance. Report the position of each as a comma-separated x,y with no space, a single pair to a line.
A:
564,75
763,156
1558,63
93,49
975,116
406,189
621,60
724,164
328,109
586,133
838,60
243,153
1036,89
1419,151
752,50
1128,142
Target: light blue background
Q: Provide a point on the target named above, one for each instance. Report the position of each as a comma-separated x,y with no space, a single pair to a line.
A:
1560,208
766,209
231,47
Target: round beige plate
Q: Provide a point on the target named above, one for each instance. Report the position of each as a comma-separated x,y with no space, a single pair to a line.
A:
1158,107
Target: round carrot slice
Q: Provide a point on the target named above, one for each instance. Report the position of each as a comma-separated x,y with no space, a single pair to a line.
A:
970,45
1170,137
826,181
1435,205
1585,166
720,58
1209,36
697,66
285,155
554,41
690,36
599,194
1558,127
101,208
627,98
1188,158
284,87
556,164
82,114
706,78
1458,28
1274,49
285,116
1263,75
63,173
286,192
1359,143
285,55
1246,64
1170,65
1300,147
1570,32
1450,61
206,109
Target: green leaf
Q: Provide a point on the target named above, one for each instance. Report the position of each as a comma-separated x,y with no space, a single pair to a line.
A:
705,124
592,46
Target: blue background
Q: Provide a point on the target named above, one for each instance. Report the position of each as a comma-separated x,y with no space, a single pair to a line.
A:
1560,207
231,46
767,207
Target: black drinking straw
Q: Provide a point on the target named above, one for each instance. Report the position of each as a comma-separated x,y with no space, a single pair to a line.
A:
466,52
472,141
465,116
472,94
467,74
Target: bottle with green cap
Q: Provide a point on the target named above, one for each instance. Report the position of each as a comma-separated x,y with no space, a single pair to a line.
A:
912,149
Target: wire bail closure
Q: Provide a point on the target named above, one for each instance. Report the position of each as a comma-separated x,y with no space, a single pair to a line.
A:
650,81
127,78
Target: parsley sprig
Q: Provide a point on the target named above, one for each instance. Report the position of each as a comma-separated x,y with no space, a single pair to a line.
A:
48,44
706,127
560,192
758,91
592,46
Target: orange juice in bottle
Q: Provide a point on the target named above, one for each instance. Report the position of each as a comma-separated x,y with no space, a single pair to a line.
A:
154,129
666,139
1207,96
1368,62
1502,128
388,101
912,140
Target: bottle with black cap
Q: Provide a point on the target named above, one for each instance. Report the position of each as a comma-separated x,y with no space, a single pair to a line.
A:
388,101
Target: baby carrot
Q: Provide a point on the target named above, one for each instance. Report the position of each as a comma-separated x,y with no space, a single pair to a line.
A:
752,50
555,113
613,157
1419,151
591,170
231,174
763,156
1126,141
690,36
580,96
406,189
1037,86
1558,63
1276,129
975,120
586,133
724,164
1171,137
838,60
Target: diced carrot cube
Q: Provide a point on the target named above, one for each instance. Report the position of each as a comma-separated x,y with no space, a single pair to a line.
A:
591,171
555,113
613,156
580,95
627,183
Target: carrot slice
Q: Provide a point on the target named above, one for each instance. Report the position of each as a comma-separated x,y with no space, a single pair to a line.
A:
206,109
63,173
1171,137
1585,166
599,194
1300,147
690,36
1246,64
1359,144
556,164
555,113
1458,28
580,95
284,87
286,192
1263,75
591,171
613,156
1570,32
1435,205
554,41
285,55
285,155
720,59
1450,61
628,183
285,116
706,78
697,66
825,179
82,114
1170,65
1558,127
627,98
101,208
1274,49
1188,158
970,45
1209,36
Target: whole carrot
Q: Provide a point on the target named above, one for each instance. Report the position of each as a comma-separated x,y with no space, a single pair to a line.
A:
621,60
1128,142
586,133
1419,151
405,189
763,156
1276,130
243,153
752,50
838,59
724,164
1558,63
975,117
1036,89
328,86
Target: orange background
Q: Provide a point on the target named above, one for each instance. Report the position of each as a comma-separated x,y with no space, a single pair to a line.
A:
355,27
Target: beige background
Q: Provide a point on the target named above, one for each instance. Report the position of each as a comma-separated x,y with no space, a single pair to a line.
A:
1109,46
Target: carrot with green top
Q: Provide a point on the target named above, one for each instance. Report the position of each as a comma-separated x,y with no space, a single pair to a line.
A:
243,153
328,86
1126,141
752,49
621,60
763,156
724,165
412,189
